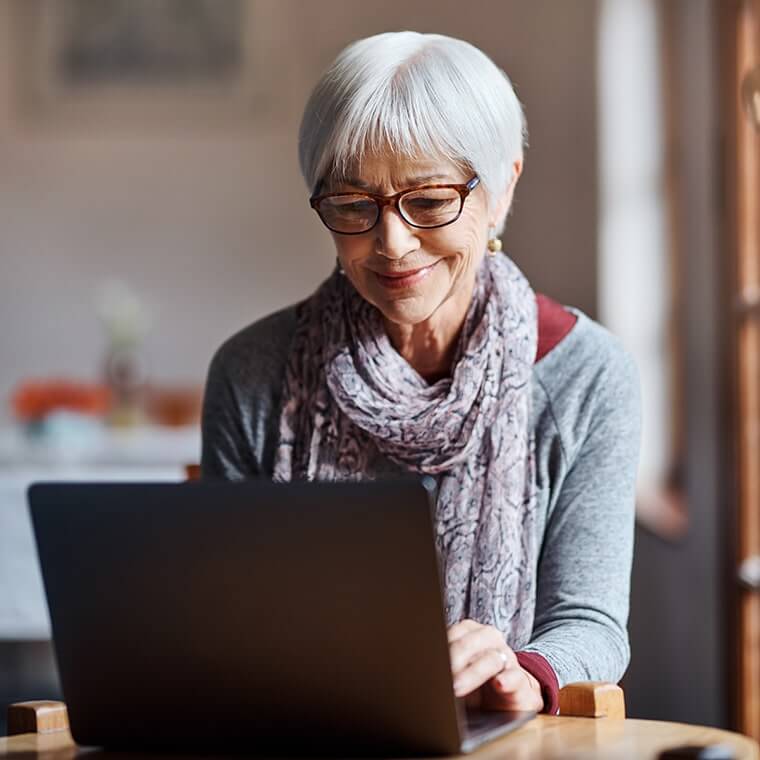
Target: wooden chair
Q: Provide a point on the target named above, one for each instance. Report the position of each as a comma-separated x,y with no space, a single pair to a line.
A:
588,699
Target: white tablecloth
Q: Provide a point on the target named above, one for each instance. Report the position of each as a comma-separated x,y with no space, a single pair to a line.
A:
152,454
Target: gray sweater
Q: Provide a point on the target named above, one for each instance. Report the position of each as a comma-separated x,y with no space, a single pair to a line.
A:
586,417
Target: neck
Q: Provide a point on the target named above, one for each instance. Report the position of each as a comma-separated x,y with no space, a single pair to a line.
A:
429,346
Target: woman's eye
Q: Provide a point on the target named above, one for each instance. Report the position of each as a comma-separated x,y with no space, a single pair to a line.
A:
430,206
423,204
353,207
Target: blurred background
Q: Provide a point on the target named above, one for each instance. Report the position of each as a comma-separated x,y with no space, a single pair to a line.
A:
151,205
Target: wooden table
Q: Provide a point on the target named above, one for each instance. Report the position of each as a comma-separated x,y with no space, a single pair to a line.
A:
545,738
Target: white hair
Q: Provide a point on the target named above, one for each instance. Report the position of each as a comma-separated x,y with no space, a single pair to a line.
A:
418,95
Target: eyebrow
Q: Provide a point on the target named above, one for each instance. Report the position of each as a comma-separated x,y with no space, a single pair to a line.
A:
410,181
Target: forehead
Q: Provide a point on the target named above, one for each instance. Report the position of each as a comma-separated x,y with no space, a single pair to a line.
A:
385,172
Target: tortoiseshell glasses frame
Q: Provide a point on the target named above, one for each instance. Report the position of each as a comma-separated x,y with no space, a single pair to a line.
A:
396,201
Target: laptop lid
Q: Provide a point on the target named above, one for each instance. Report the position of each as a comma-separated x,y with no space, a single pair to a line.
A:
256,615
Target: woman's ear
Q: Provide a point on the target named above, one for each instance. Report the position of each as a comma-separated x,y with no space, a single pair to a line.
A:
500,210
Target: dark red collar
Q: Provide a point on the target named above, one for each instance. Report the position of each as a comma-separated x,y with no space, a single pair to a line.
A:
554,323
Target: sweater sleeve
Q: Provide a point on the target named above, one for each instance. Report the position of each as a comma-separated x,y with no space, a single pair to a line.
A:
225,453
241,401
584,565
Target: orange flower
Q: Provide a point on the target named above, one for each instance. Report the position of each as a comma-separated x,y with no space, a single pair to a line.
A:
34,399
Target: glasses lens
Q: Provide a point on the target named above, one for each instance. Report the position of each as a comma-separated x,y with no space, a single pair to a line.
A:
348,213
431,207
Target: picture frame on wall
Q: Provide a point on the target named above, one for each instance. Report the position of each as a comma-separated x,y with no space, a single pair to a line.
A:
135,64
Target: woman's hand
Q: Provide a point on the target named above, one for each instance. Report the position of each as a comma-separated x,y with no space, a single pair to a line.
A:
486,670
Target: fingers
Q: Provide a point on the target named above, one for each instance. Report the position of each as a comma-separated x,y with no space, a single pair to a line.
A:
513,689
469,642
458,630
478,653
478,672
509,680
486,670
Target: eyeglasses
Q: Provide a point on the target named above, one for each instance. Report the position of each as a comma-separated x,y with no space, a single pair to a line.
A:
424,207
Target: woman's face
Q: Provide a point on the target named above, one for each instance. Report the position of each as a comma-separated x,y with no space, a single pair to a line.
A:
407,272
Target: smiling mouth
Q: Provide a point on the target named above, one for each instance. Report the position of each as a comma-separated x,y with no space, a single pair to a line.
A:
404,279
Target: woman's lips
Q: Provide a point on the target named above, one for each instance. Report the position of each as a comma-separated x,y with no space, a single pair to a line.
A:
399,280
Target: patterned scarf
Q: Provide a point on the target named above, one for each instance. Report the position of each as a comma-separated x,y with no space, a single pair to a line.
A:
349,396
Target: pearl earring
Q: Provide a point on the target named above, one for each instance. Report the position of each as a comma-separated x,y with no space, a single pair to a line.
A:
339,267
494,244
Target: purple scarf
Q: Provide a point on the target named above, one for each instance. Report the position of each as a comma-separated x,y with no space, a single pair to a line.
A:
349,396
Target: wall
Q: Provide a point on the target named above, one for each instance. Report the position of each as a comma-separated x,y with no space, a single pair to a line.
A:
213,228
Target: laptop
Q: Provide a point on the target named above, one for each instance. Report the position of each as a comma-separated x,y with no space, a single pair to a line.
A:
253,616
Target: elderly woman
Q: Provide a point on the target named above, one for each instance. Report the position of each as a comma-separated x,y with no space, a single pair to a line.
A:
427,351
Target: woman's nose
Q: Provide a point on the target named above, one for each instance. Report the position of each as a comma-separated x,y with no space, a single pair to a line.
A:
395,238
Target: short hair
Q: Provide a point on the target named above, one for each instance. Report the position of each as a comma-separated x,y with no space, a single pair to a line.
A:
419,95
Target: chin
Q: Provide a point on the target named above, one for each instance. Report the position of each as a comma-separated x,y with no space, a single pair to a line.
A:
408,307
407,311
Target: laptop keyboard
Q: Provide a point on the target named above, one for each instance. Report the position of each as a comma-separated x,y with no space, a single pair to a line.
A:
482,723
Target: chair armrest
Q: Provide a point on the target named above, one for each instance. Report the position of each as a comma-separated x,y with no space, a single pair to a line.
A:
592,699
42,717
